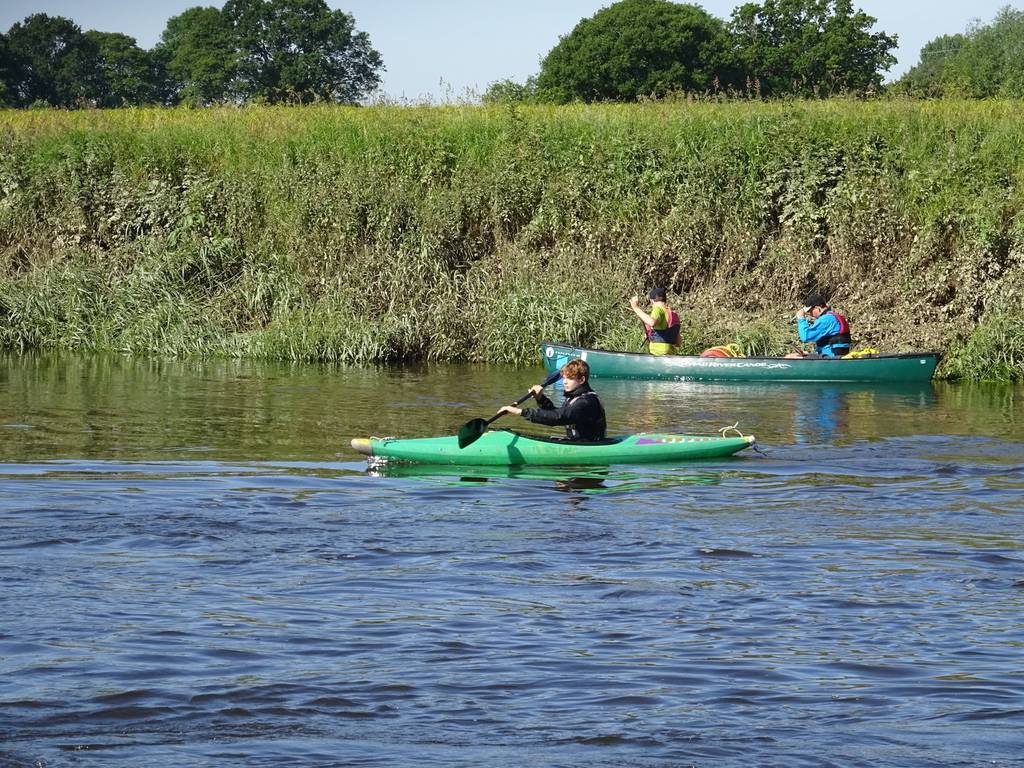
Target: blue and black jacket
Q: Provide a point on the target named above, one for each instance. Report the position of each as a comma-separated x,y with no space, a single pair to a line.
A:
830,333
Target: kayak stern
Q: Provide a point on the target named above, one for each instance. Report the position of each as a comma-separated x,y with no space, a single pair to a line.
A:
363,445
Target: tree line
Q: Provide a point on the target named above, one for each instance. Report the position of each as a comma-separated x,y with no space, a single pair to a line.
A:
639,49
987,60
301,51
293,51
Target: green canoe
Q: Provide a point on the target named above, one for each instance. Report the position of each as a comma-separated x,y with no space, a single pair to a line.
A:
499,448
904,367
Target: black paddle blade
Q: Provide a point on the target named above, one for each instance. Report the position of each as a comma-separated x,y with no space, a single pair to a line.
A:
470,431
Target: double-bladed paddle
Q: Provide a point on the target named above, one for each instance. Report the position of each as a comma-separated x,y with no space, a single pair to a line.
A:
471,431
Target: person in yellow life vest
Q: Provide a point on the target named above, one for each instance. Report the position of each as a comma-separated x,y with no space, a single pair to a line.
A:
661,325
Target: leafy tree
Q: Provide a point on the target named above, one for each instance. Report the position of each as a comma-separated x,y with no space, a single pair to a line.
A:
925,79
810,47
638,48
300,51
272,50
54,62
508,91
993,62
197,55
7,72
987,63
126,70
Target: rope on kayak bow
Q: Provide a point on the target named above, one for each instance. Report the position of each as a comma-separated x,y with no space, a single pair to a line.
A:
733,428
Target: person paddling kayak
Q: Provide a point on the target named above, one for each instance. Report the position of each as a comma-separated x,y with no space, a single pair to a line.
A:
581,413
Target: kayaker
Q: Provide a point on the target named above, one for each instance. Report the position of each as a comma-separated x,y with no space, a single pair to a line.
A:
829,331
661,325
581,412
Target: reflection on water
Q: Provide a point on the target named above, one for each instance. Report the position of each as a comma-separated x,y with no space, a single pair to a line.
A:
825,413
568,479
198,571
76,407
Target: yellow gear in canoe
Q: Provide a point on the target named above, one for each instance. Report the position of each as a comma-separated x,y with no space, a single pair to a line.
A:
726,350
860,353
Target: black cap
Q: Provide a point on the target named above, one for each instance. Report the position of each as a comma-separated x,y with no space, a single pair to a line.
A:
815,300
657,294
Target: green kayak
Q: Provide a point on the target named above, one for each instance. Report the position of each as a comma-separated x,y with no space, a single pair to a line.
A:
905,367
502,447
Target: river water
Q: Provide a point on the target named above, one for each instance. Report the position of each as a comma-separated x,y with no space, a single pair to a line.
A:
196,570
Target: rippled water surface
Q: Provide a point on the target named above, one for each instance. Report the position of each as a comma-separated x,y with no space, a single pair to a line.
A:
196,570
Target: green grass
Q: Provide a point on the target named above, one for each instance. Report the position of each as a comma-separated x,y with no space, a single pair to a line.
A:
993,352
470,233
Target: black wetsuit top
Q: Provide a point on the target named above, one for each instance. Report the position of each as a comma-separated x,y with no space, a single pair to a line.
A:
581,413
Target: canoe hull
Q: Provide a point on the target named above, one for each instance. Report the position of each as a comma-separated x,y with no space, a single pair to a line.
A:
503,448
916,367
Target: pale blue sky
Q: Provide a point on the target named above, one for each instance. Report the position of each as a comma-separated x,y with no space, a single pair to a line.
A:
447,48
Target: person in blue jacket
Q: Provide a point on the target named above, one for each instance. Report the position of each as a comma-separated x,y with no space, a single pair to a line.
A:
829,331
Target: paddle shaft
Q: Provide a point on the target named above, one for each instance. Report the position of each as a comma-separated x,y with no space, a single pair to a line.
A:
546,383
472,430
497,416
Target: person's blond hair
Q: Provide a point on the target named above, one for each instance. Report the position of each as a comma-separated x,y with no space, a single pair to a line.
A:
575,369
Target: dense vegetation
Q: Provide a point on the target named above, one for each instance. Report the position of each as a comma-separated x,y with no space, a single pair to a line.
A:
383,234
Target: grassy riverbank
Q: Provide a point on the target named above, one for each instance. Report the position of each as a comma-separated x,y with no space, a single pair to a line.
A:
389,233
